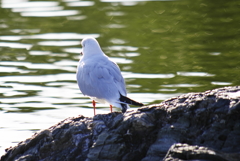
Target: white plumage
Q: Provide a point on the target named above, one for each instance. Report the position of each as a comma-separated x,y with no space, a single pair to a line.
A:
100,78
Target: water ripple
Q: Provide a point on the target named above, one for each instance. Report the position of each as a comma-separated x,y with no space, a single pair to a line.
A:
59,43
122,48
48,36
72,50
6,4
39,78
221,83
80,4
10,70
16,45
50,13
38,9
195,74
147,75
181,85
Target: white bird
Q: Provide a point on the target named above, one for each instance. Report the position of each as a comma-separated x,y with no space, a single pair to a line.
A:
100,78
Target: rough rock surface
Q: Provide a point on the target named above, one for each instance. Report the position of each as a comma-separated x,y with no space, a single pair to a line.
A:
194,126
180,152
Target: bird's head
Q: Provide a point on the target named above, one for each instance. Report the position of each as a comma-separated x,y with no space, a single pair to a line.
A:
90,46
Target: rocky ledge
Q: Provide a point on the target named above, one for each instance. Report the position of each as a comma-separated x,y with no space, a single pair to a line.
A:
194,126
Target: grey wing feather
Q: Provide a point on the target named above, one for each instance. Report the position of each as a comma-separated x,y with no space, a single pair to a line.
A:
102,80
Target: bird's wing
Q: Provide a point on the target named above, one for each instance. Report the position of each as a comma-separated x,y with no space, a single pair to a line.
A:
101,79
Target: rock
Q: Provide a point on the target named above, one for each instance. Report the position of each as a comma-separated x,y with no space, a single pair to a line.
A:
180,152
202,126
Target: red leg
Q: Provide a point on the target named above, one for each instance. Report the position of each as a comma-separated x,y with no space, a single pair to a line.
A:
94,107
111,108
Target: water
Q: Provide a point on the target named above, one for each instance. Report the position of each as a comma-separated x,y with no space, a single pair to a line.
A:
164,49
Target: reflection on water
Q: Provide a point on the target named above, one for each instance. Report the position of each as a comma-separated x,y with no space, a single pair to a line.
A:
49,36
164,49
15,45
196,74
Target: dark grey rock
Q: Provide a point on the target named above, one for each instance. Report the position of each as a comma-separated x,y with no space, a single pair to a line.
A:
180,152
195,124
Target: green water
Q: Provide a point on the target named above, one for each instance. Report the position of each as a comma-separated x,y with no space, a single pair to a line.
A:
164,49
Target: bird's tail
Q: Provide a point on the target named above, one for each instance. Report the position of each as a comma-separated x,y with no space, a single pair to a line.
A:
124,107
127,100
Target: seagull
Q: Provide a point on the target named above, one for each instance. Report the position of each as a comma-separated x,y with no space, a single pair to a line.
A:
100,78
